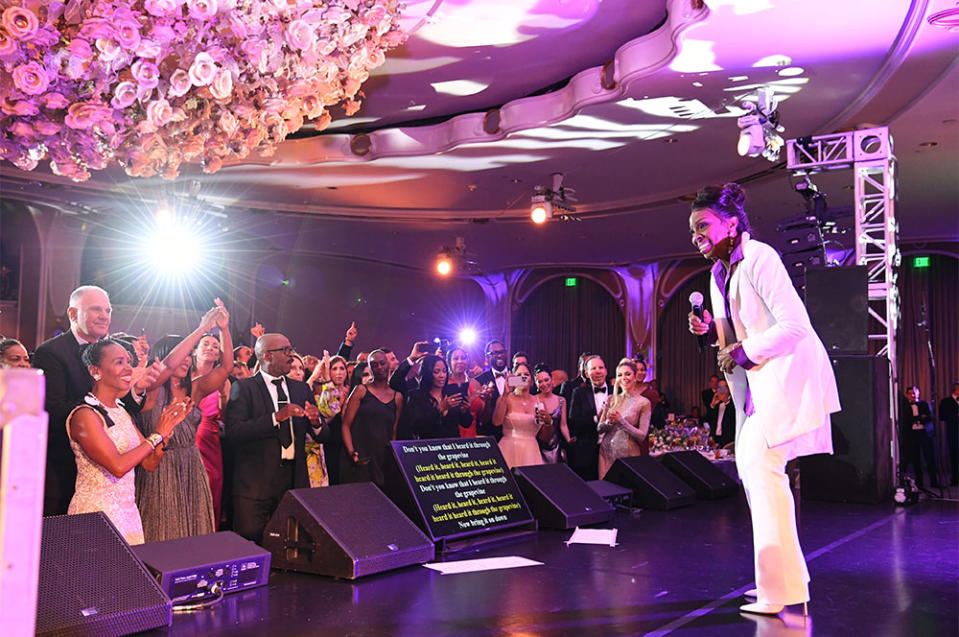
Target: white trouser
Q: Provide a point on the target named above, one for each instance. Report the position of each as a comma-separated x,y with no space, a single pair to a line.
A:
781,575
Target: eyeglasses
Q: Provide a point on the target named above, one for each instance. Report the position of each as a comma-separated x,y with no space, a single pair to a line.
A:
496,352
286,350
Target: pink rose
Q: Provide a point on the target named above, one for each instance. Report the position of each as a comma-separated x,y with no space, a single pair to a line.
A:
354,33
55,101
377,57
372,16
222,84
254,50
96,28
147,49
161,8
238,27
21,23
229,123
162,33
124,94
145,73
202,70
8,45
128,34
83,115
159,112
299,35
179,83
80,48
336,15
31,78
201,9
22,129
46,127
109,50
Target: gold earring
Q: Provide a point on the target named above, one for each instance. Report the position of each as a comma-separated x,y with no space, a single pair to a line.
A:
96,377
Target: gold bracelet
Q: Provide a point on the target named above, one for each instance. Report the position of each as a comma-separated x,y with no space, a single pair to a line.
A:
154,440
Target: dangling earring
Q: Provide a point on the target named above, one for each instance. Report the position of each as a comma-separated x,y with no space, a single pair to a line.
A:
96,377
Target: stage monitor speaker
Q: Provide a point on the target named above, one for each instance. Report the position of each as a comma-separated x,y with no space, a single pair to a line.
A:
654,486
91,583
702,475
860,469
838,306
559,498
346,531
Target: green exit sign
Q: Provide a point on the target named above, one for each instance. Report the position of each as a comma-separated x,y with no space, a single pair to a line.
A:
920,262
571,282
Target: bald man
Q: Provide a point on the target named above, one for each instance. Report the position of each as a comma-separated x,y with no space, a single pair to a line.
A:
267,420
67,382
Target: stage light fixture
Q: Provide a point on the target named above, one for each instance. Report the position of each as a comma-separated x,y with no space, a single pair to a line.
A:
444,265
174,247
540,209
452,259
759,128
546,202
467,336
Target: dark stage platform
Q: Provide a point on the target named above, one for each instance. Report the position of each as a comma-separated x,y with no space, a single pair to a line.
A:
876,570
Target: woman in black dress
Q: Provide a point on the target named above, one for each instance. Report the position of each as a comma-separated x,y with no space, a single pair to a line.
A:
369,424
427,410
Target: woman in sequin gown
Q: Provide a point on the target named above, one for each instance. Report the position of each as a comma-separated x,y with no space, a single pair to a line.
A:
625,425
107,445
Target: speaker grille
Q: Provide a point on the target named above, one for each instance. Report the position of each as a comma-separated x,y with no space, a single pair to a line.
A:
91,583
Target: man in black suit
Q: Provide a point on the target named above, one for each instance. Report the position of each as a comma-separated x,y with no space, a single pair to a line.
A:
493,382
915,422
67,382
721,415
949,416
267,418
582,450
710,392
569,386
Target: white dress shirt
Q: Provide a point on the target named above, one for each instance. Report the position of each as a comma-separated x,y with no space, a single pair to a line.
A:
286,453
599,398
500,379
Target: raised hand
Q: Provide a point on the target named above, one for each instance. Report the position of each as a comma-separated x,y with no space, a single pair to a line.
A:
257,330
142,348
208,322
146,377
420,349
223,317
351,333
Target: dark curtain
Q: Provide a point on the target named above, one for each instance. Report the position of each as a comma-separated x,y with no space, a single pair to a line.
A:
936,290
682,370
556,323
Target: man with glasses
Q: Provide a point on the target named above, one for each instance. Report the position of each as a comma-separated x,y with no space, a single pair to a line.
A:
267,419
493,384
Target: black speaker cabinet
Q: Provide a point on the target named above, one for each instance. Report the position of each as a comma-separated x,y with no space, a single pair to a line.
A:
346,531
654,486
838,306
559,498
91,583
861,468
692,468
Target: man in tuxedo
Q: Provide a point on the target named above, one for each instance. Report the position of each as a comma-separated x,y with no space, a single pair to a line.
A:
67,382
582,450
710,392
267,418
915,422
493,382
721,415
949,415
569,386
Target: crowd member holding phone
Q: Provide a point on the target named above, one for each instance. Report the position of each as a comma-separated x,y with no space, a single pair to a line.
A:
426,413
493,385
463,413
516,414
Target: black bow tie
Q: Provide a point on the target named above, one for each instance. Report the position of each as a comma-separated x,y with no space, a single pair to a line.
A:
499,374
599,390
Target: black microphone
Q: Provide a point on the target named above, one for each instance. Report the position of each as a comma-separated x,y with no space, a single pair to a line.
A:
696,300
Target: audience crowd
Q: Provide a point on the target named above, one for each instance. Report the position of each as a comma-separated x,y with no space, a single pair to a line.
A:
195,434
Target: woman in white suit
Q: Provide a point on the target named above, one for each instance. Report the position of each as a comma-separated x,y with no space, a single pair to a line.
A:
781,380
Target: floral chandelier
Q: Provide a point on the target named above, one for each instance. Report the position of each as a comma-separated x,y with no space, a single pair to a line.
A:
155,83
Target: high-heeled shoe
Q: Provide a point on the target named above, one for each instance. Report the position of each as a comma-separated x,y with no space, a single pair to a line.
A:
762,608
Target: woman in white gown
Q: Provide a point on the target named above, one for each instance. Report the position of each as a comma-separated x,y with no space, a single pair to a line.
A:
516,414
108,446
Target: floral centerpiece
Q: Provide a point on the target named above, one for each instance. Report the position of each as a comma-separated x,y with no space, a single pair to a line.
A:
677,436
155,83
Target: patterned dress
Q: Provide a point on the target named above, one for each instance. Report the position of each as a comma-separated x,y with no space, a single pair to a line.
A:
175,500
620,442
98,489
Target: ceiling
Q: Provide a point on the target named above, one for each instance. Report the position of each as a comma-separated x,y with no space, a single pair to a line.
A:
631,139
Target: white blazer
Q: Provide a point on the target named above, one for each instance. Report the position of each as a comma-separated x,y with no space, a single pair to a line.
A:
792,385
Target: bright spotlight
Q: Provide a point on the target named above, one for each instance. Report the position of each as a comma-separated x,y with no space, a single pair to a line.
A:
540,209
164,214
174,249
443,265
467,336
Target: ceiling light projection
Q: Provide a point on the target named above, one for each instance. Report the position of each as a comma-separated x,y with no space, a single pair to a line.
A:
546,200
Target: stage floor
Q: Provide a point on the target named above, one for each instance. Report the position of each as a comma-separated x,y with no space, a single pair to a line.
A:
876,570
